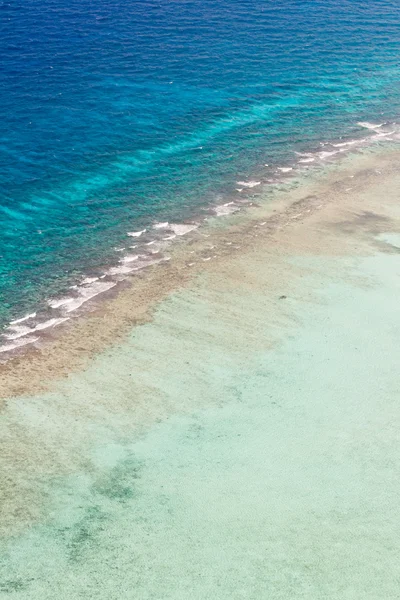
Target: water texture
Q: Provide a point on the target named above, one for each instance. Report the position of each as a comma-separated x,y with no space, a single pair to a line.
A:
241,444
115,115
283,485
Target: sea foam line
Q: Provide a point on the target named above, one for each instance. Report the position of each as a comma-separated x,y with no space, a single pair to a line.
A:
17,335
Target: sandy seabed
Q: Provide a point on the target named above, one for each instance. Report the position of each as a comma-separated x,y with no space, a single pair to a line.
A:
242,440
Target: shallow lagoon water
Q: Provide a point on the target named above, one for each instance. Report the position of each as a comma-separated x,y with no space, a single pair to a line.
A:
288,486
243,444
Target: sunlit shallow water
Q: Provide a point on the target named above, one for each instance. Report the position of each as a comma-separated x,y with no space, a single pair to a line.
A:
244,440
284,482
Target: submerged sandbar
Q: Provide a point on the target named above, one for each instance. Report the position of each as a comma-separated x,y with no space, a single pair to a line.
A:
242,441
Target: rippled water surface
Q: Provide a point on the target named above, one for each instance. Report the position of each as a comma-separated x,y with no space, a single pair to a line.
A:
116,115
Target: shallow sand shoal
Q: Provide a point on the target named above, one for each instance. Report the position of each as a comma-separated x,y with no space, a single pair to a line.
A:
69,348
240,443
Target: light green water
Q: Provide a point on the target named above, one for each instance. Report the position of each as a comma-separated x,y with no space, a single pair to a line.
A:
210,458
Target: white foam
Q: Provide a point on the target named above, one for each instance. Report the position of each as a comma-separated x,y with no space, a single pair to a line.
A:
129,258
157,246
285,169
18,344
368,125
382,135
89,280
136,233
164,225
350,143
121,270
19,331
57,302
225,209
306,160
30,316
50,323
136,266
182,228
249,184
325,154
149,263
70,304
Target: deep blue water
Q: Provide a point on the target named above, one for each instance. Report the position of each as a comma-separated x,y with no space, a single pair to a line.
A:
116,114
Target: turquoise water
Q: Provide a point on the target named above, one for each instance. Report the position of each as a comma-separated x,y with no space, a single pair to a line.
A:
113,116
267,471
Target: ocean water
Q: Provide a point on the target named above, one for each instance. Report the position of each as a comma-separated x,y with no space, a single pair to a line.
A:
114,116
